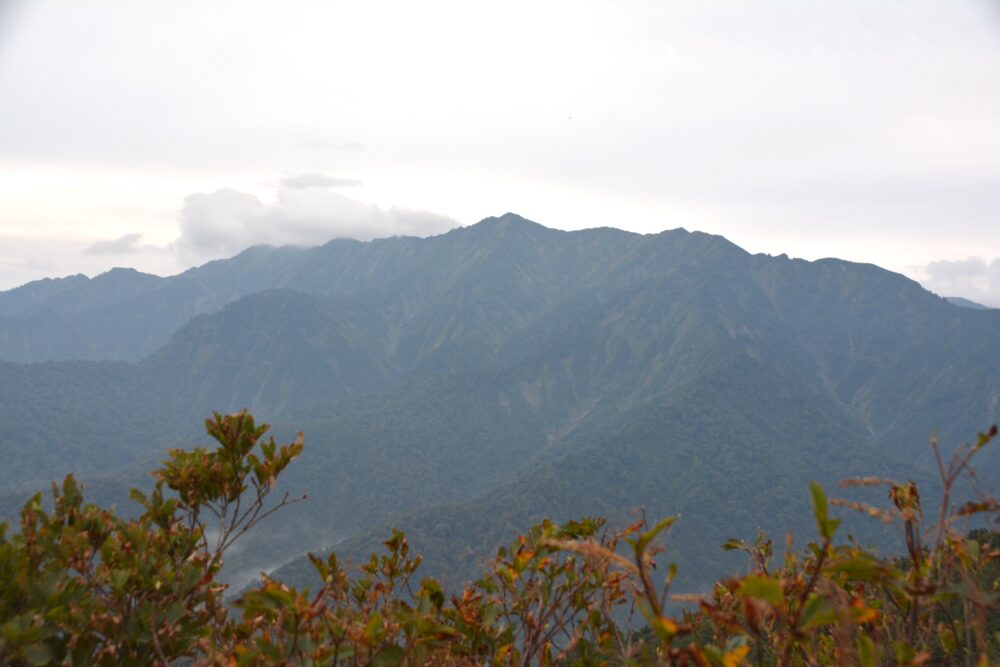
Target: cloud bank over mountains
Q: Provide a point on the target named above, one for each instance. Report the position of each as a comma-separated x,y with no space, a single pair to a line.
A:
212,225
125,243
305,212
865,131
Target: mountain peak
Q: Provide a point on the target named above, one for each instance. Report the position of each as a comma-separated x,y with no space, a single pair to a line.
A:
509,221
123,272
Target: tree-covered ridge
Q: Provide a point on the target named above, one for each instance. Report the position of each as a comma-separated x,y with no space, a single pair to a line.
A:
80,585
70,318
511,372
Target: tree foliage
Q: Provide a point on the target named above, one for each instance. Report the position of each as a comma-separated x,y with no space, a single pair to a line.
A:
80,586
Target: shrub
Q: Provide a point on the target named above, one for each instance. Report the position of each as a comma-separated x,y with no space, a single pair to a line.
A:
79,585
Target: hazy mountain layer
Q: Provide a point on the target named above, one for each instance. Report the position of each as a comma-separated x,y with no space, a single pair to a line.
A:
462,385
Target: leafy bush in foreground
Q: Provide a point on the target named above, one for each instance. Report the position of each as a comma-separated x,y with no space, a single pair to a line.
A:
80,586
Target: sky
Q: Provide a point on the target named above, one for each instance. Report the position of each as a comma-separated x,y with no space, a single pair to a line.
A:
161,135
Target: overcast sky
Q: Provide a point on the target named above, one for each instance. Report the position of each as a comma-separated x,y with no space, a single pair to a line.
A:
163,134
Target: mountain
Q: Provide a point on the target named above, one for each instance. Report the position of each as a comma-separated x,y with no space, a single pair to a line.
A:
965,303
463,385
124,315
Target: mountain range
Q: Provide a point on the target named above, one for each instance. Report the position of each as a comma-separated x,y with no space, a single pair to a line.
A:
464,385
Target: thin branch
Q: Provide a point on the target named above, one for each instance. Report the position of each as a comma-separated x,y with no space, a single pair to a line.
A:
156,636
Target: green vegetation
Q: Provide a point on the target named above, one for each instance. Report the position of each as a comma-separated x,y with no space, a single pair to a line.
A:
81,585
499,375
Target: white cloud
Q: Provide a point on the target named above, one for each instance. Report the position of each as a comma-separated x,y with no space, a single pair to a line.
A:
126,243
972,278
859,129
317,181
224,222
330,145
27,258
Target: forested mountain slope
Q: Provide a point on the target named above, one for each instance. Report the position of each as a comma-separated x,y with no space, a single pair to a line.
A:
463,384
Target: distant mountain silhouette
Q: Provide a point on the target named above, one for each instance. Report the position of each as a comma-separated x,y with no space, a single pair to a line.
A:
965,303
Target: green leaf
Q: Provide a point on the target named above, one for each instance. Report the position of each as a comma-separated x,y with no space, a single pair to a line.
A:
818,611
867,654
827,526
949,642
389,656
138,496
37,654
733,544
650,535
986,437
762,588
820,508
904,652
276,597
862,568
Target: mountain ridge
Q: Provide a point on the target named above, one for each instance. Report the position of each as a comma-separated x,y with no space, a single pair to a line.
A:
506,361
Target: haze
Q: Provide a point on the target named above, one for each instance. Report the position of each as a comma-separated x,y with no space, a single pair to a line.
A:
163,134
